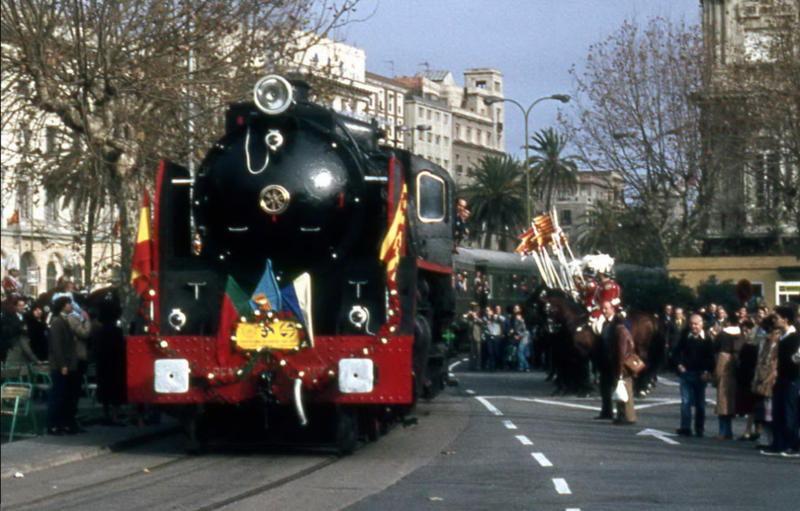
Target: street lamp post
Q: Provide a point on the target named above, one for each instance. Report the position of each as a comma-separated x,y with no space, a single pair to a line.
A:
411,129
564,98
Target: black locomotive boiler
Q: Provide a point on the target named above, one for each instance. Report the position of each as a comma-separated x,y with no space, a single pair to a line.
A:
305,270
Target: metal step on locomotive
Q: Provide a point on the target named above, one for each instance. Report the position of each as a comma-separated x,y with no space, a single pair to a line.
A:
300,280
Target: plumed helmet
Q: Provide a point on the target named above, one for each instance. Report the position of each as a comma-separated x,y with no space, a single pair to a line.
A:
601,264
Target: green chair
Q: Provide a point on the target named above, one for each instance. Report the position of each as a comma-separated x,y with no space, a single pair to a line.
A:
90,381
40,379
16,401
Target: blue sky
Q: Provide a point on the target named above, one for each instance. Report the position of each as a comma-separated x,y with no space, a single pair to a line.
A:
532,42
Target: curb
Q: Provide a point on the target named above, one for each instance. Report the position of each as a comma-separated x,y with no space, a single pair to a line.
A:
88,453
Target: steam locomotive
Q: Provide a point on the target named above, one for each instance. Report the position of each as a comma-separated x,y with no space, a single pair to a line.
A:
302,277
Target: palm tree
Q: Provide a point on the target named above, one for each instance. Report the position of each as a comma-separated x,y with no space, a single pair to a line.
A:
497,199
550,171
626,235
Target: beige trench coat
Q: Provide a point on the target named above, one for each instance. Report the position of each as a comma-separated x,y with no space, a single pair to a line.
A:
725,377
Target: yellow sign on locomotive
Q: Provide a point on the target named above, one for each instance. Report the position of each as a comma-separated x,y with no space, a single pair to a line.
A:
277,335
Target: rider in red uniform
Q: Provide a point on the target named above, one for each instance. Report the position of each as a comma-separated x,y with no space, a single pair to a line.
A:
589,295
609,291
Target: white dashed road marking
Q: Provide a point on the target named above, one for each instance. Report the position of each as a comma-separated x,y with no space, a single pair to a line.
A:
471,392
542,459
489,406
524,440
509,425
455,364
561,486
573,509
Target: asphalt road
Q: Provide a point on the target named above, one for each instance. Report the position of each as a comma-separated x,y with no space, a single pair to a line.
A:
499,441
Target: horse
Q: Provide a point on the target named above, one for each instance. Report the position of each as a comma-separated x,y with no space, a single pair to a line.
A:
582,342
569,348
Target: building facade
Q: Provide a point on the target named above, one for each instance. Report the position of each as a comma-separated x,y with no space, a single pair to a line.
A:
593,187
750,118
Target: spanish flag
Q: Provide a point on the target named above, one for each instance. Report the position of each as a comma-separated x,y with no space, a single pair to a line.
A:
143,251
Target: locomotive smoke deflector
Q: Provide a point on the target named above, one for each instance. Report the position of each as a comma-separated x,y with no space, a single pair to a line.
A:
273,95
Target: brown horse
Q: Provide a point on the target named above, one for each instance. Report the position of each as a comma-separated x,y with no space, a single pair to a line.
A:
582,343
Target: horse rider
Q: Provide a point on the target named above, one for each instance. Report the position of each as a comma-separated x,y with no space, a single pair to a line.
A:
588,291
609,291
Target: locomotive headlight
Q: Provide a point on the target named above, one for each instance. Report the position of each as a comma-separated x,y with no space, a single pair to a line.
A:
323,180
273,95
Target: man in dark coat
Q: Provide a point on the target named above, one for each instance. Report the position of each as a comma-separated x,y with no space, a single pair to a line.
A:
63,351
785,427
14,327
614,345
694,358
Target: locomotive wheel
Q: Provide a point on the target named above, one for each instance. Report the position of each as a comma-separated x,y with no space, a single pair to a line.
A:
346,432
421,355
196,430
373,426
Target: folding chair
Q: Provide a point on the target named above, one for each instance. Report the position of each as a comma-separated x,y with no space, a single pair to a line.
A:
90,381
16,400
40,379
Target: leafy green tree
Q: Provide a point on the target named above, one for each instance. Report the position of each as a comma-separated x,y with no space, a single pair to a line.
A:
722,293
497,199
551,171
625,234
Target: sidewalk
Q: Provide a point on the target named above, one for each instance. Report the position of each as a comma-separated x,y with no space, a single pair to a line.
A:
38,453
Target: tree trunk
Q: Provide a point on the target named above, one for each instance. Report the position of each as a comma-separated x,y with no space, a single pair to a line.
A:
89,243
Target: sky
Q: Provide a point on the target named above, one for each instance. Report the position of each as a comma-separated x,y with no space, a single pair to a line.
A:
534,43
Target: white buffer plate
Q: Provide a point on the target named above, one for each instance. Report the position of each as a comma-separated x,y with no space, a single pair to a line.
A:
172,376
356,375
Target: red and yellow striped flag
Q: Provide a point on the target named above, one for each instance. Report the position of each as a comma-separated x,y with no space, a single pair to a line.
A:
143,251
392,246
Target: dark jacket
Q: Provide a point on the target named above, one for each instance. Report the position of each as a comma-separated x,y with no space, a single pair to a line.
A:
63,346
788,370
695,354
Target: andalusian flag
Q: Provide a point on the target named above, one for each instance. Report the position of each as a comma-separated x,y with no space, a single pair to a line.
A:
143,251
235,305
392,246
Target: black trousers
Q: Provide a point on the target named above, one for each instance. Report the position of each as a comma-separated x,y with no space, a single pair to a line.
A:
57,402
74,387
607,385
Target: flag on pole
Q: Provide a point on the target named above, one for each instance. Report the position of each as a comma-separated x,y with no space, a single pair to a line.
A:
143,251
297,299
235,304
267,296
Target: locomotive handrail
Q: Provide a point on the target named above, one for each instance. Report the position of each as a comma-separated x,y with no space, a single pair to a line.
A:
298,401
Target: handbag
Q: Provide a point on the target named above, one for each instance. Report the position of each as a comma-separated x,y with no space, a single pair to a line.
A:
620,393
634,364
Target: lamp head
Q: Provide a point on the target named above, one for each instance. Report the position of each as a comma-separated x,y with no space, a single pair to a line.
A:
491,100
564,98
423,127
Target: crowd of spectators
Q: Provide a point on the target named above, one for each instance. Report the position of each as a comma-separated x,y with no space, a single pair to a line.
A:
505,339
62,334
752,359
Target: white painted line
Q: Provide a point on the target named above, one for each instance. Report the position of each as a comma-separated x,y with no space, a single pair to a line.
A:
470,392
661,435
489,406
573,509
509,425
668,382
542,459
524,440
661,403
557,403
455,364
561,486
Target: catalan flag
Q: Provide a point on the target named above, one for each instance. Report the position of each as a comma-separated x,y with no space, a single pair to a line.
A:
393,243
143,251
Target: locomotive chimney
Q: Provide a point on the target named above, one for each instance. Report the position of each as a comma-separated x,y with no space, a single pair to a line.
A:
300,88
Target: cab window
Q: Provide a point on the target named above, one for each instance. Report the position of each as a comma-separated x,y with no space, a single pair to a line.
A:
430,198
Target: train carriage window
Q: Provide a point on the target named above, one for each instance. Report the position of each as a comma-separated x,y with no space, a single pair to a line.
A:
430,198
